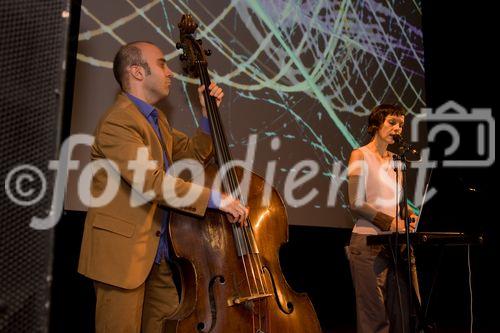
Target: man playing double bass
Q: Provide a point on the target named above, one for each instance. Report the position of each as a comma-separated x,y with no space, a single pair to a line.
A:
125,246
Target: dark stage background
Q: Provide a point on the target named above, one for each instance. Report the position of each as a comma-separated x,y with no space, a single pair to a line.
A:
459,65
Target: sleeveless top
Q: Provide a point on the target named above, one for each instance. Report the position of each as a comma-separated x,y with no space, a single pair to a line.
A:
379,180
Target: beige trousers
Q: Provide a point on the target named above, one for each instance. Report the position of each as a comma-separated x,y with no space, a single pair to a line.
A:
374,278
144,309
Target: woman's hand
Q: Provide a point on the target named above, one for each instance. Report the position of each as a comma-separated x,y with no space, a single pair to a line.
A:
401,224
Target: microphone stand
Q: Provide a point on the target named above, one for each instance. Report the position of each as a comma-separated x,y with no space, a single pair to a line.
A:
402,156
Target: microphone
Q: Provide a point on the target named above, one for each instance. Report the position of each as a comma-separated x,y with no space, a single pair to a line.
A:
405,147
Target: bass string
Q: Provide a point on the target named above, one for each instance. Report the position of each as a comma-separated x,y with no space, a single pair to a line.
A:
248,240
223,157
232,185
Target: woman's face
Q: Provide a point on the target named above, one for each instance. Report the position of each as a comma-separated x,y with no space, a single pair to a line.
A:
392,125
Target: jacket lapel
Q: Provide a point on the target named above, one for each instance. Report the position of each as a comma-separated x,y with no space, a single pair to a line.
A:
130,107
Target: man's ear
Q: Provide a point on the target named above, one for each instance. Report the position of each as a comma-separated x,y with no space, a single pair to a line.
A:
137,72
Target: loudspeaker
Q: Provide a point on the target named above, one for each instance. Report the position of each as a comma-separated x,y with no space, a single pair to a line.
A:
33,37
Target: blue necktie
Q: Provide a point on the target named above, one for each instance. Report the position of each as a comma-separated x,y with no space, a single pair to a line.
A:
162,251
154,117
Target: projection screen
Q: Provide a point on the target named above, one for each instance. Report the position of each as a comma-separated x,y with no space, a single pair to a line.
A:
301,76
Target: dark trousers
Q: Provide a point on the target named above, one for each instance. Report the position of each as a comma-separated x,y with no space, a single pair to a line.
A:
378,305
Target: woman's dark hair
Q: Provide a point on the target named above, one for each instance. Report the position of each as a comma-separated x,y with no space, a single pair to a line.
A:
378,114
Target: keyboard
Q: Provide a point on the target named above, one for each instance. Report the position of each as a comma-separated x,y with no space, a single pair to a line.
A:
428,238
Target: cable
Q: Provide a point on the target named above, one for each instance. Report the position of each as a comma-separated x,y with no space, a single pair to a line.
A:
434,279
395,249
398,287
470,288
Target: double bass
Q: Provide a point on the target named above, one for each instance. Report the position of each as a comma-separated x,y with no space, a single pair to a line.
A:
230,273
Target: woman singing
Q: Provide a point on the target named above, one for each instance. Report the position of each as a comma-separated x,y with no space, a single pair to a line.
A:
374,194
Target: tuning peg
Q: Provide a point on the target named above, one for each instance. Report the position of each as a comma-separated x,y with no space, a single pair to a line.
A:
208,52
183,57
178,45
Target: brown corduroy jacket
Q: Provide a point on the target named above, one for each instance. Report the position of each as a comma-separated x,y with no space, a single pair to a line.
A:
121,238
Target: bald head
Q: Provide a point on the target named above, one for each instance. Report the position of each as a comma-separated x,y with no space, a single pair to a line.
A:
128,55
140,69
